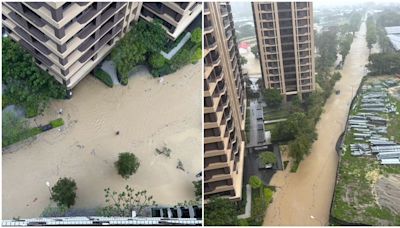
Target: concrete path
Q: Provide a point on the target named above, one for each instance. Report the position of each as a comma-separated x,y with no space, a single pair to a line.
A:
247,211
178,47
109,67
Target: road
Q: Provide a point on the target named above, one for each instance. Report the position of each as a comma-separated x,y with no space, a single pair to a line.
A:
304,198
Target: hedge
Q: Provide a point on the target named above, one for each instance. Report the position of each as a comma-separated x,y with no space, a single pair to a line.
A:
57,123
104,77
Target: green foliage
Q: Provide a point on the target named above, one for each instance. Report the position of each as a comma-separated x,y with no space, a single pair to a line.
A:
220,212
181,59
268,157
197,36
58,211
244,31
142,41
57,123
157,61
123,203
384,63
198,186
273,97
254,50
268,195
104,77
255,182
13,128
371,32
326,43
197,55
64,192
345,45
355,21
127,164
242,60
300,147
24,83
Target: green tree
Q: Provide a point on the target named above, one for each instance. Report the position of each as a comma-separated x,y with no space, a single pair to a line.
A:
242,60
371,32
384,63
254,50
127,164
157,61
268,157
123,203
197,55
198,189
149,35
220,212
24,83
197,35
326,43
13,127
64,192
345,45
255,182
273,97
299,147
180,59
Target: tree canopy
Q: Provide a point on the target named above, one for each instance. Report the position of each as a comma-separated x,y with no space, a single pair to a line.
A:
197,35
255,182
268,157
64,192
220,212
127,164
384,63
24,83
273,97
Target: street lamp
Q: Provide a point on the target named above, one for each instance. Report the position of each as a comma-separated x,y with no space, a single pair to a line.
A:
48,185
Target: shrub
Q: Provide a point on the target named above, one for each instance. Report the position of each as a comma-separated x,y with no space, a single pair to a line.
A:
58,211
13,127
268,157
127,164
197,36
57,123
180,59
220,212
268,195
157,61
255,182
273,97
196,55
104,77
64,192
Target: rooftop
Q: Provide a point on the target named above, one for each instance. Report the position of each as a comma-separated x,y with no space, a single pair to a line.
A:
393,33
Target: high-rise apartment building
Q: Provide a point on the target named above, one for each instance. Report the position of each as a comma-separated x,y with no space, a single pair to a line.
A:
68,39
224,105
174,16
285,40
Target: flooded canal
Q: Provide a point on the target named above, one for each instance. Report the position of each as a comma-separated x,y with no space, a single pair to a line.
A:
304,198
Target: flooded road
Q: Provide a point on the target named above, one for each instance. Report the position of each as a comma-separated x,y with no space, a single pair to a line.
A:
148,114
304,198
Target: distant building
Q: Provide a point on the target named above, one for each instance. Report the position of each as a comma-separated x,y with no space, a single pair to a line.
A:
224,105
285,39
393,33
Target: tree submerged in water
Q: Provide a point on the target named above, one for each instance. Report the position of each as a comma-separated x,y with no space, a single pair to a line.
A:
123,203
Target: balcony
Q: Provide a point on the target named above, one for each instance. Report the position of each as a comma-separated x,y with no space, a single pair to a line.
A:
210,43
208,27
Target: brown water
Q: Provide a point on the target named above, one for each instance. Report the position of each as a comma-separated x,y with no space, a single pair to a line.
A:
304,197
148,115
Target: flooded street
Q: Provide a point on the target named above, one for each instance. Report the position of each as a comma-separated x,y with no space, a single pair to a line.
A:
304,198
148,114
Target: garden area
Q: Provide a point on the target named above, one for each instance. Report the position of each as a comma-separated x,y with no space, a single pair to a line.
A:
142,46
366,191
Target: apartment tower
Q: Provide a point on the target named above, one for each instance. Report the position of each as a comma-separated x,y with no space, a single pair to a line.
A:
285,38
68,39
174,16
224,105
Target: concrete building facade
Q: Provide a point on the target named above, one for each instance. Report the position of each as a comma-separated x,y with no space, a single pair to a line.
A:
285,38
68,39
174,16
224,105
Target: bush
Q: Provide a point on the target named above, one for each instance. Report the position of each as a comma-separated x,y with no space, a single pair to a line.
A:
64,192
157,61
13,127
197,55
268,157
197,36
104,77
127,164
57,123
268,195
220,212
255,182
273,97
58,211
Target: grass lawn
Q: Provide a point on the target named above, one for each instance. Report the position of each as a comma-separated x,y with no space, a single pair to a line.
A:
355,200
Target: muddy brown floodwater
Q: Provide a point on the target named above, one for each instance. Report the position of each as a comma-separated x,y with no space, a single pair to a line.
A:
304,197
148,114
